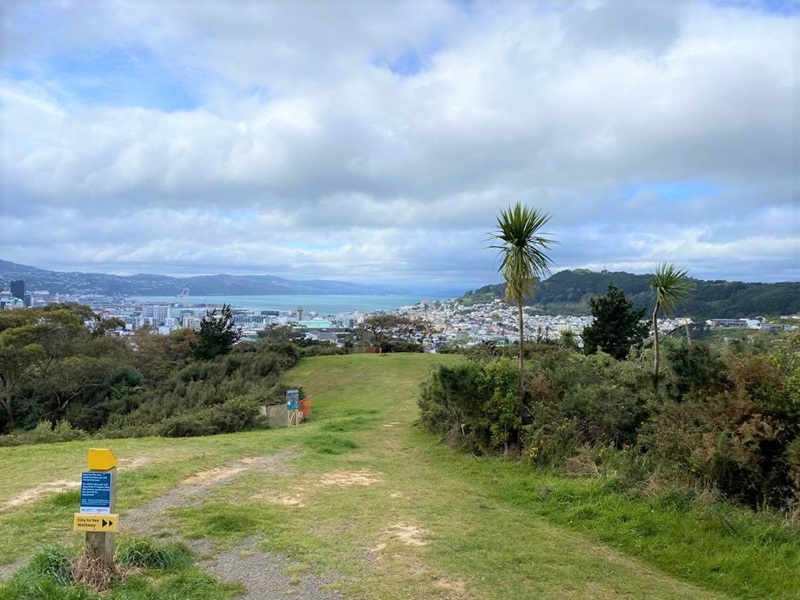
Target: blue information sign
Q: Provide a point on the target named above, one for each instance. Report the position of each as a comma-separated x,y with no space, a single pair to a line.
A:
292,399
96,493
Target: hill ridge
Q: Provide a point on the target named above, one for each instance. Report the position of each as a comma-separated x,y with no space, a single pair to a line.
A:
145,284
569,291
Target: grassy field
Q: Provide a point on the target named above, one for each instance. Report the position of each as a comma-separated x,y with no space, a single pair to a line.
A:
371,498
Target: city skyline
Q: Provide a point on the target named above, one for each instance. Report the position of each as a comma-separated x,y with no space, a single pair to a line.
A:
377,142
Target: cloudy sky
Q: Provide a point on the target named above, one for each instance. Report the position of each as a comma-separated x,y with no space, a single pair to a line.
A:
378,140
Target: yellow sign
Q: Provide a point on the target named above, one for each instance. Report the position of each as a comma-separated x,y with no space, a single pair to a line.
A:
101,523
101,459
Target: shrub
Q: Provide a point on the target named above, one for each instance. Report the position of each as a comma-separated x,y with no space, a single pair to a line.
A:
738,435
238,414
45,433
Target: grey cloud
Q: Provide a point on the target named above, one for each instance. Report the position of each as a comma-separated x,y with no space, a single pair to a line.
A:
404,175
612,26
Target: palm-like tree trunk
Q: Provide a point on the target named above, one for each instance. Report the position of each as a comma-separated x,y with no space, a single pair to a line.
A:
655,344
521,363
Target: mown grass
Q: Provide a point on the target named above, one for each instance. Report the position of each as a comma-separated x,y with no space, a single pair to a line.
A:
482,528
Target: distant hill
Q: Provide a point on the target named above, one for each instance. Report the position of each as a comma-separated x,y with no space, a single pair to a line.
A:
569,292
162,285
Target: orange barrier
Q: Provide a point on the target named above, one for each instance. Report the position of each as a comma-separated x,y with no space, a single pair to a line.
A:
305,406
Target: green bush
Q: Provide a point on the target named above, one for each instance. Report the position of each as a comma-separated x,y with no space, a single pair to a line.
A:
727,421
238,414
738,433
45,433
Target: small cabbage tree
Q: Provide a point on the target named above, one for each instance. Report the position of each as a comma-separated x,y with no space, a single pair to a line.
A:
523,248
670,287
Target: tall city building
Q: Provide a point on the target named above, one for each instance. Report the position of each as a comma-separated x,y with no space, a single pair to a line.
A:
157,313
18,289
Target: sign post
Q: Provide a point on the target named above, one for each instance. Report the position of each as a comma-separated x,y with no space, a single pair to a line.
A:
292,403
97,516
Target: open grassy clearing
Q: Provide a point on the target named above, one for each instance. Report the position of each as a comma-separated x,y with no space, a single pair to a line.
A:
393,514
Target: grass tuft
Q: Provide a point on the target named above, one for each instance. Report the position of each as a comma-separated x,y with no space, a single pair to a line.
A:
47,576
349,424
146,554
330,443
53,563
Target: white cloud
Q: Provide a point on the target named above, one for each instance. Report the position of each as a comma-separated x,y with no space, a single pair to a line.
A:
304,154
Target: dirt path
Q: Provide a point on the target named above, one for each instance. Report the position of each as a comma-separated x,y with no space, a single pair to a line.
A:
262,573
62,485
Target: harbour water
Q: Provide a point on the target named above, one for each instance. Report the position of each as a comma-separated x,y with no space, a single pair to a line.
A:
324,305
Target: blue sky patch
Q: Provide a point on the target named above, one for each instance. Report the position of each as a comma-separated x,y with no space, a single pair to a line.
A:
784,8
116,77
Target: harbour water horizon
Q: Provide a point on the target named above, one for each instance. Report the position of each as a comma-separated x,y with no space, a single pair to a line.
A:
323,305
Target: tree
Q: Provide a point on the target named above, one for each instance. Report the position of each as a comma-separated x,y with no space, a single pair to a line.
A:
568,340
670,286
524,251
218,334
617,325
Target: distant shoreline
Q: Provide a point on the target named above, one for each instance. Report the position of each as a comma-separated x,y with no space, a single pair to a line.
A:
325,304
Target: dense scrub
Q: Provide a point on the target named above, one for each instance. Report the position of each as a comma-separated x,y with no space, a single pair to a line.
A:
62,377
724,419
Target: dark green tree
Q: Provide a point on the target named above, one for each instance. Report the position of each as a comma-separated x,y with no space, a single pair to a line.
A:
617,325
218,334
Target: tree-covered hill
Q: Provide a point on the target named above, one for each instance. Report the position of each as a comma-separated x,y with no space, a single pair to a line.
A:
569,292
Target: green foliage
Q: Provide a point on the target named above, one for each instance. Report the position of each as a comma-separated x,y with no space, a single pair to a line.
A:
55,370
145,553
523,249
401,346
670,286
695,368
726,421
568,292
171,574
472,403
330,443
53,367
738,432
218,334
237,414
47,576
54,563
46,433
584,400
617,325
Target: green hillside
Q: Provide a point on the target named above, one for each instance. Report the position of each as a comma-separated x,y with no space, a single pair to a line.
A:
569,292
361,501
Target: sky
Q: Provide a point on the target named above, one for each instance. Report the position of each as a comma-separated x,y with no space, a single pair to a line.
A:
377,141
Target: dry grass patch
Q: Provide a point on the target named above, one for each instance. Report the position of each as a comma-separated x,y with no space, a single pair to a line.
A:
218,473
408,535
43,489
343,479
281,500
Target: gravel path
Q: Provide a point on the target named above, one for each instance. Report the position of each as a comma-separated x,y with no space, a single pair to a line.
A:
147,519
262,573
